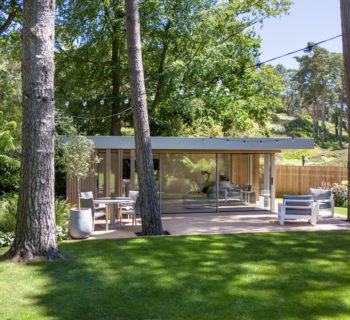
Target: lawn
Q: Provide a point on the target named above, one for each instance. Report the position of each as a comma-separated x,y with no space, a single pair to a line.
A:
293,275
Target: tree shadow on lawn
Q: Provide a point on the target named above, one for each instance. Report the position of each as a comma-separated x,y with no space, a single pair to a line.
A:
244,276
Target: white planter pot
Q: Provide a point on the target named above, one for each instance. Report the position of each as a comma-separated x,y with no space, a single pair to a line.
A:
80,223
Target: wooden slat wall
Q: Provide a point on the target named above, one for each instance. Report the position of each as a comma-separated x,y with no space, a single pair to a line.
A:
298,180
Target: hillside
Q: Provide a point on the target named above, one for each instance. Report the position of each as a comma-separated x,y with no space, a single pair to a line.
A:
282,125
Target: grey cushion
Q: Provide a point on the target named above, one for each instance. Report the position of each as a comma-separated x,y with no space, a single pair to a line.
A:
289,200
320,194
324,205
301,212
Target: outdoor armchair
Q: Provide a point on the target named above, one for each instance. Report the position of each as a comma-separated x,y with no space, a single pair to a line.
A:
297,207
324,200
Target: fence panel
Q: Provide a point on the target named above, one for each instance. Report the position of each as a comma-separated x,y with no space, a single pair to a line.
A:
298,179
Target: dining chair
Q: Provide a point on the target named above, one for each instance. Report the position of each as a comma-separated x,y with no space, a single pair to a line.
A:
89,195
89,203
132,210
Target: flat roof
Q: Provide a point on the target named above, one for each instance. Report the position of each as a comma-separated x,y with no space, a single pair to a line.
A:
192,143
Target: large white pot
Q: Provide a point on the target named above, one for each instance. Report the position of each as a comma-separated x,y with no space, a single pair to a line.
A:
80,223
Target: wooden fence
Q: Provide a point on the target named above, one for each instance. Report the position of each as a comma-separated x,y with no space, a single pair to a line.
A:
298,180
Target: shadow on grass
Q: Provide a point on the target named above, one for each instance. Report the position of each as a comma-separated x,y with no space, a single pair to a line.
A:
247,276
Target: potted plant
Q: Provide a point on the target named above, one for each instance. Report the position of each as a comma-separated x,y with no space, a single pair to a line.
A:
77,158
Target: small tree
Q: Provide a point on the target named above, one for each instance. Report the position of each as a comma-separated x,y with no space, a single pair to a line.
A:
76,157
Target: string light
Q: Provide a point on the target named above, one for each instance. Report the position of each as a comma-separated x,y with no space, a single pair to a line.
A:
102,101
38,99
84,103
153,96
67,103
126,100
53,101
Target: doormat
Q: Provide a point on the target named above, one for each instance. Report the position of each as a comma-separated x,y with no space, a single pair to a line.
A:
165,233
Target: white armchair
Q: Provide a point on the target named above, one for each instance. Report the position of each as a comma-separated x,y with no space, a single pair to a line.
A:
323,199
297,207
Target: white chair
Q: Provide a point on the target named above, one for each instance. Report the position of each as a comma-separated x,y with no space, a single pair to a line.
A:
133,210
324,200
297,207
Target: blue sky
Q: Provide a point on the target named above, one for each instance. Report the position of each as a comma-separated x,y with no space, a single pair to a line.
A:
308,20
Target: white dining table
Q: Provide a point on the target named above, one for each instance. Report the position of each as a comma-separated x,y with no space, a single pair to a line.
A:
110,202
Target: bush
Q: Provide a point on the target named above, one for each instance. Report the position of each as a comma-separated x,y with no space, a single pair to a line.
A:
340,194
62,212
275,118
61,233
8,211
6,239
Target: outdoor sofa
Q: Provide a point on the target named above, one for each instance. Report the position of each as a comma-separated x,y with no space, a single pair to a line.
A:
323,199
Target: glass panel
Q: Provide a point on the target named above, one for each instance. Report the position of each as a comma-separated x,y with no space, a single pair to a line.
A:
188,182
101,174
264,181
114,174
126,173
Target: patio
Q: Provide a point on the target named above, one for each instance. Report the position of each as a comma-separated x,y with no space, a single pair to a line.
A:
225,223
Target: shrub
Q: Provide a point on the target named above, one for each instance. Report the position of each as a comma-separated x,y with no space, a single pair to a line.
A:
6,239
61,233
62,211
340,194
8,211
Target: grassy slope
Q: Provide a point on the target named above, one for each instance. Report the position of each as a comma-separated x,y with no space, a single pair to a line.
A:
247,276
316,157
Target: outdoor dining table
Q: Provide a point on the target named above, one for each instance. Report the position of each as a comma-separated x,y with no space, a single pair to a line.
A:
110,202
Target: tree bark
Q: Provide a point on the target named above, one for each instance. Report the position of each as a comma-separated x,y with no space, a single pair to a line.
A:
150,214
323,118
313,120
341,118
36,227
345,23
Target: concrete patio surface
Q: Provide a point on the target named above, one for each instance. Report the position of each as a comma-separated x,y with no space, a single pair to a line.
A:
225,223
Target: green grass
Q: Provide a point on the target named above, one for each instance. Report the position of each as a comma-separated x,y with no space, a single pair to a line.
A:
246,276
341,210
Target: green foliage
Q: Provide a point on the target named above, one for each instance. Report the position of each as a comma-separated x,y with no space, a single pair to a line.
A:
332,146
6,238
61,233
340,194
189,43
299,127
9,179
8,212
76,154
62,212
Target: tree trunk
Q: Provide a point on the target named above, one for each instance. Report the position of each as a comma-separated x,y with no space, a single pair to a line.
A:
323,118
341,118
313,120
150,214
116,82
36,227
345,22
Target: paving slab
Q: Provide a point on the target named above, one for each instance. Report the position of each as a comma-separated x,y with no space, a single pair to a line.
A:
225,223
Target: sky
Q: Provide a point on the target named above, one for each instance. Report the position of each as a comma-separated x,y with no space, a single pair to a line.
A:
308,20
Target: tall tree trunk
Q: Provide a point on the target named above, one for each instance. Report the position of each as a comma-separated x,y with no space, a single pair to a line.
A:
345,22
323,118
150,214
36,227
116,83
313,120
341,118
